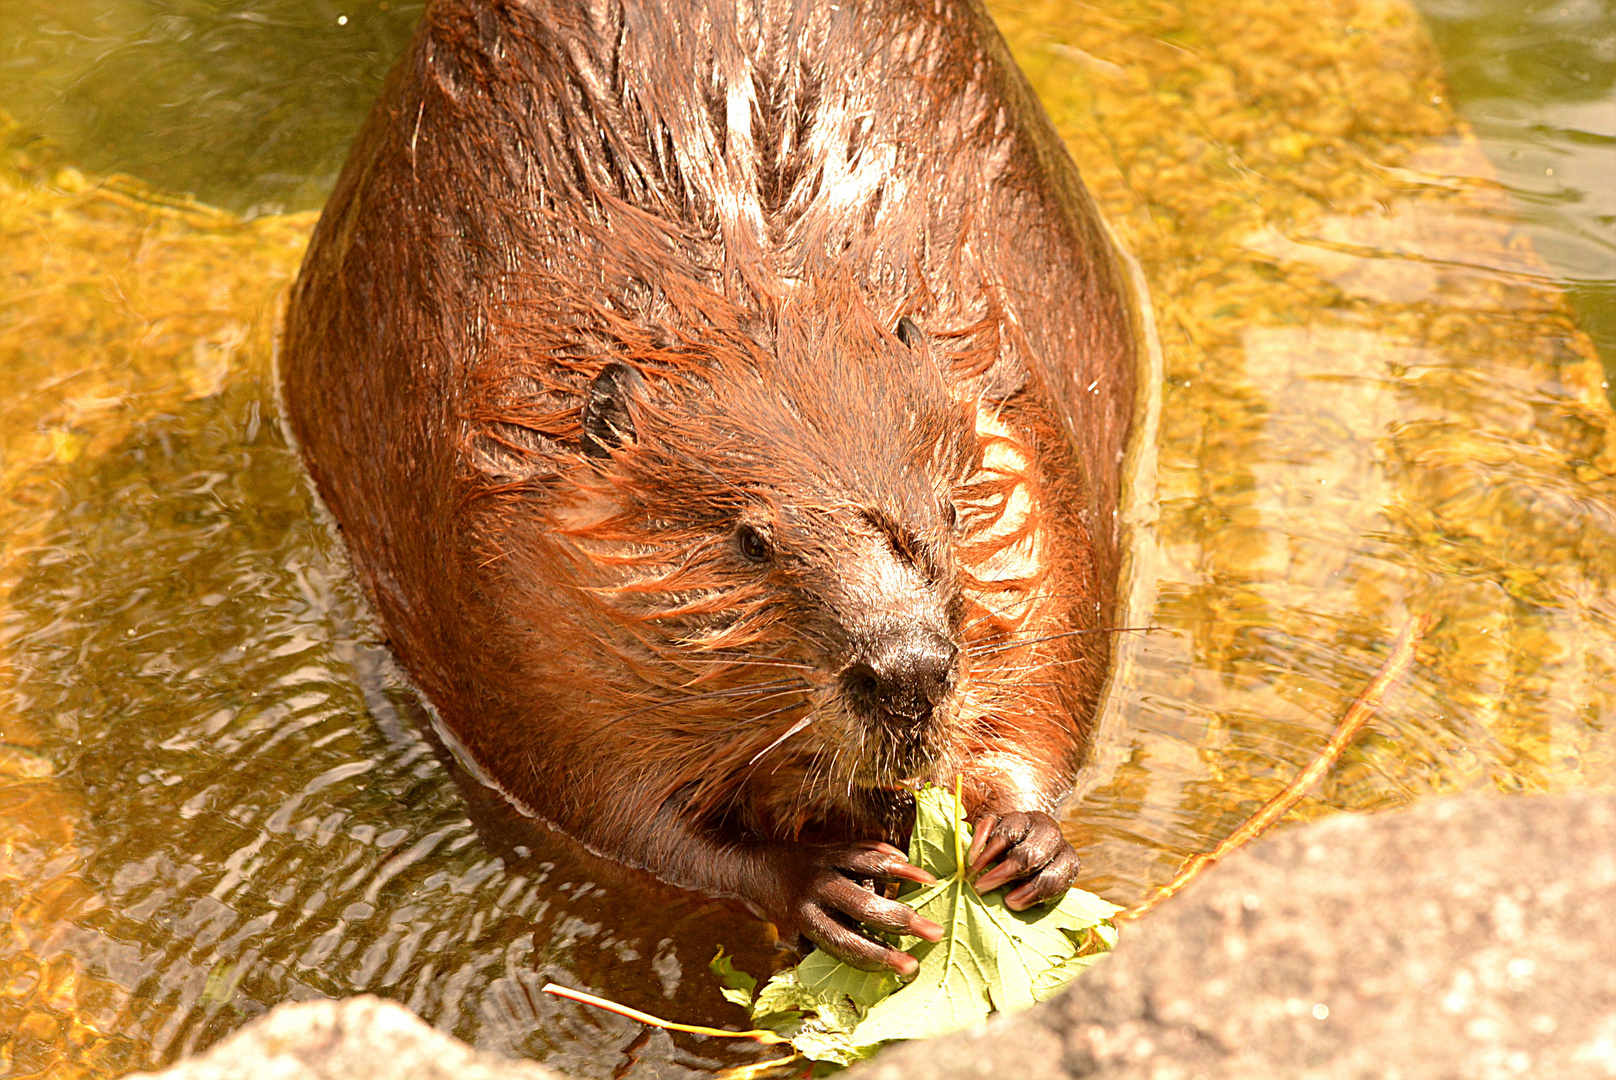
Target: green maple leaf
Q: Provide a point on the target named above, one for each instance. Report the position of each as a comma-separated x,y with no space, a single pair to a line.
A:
991,959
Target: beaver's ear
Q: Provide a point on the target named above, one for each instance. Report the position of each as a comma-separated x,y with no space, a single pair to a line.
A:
917,341
606,420
1002,379
911,335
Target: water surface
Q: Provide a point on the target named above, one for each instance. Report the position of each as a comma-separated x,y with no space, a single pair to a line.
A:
1377,395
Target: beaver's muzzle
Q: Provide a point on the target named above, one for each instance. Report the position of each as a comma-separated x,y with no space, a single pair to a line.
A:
901,677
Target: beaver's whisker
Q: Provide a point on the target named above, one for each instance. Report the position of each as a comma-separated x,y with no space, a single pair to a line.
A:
758,689
1018,674
745,659
807,635
1023,676
800,798
743,691
819,765
862,751
792,730
758,719
1000,635
1010,682
745,773
719,671
1023,598
778,694
974,650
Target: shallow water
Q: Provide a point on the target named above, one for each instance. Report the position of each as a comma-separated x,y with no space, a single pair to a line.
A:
1374,401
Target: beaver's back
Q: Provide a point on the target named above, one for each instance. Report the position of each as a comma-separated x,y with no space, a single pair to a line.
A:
532,165
552,197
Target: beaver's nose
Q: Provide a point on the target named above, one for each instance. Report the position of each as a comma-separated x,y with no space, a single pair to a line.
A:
904,675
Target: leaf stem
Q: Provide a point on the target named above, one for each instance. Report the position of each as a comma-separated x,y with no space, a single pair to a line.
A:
955,919
758,1035
1352,723
959,826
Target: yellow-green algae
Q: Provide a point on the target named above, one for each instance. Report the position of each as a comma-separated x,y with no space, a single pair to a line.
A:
116,304
1375,405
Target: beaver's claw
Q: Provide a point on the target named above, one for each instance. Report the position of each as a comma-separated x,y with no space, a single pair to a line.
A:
1033,852
832,899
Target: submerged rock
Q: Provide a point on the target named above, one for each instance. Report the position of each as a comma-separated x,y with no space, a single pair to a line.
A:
358,1038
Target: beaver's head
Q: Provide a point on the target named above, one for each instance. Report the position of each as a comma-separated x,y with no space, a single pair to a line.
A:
790,541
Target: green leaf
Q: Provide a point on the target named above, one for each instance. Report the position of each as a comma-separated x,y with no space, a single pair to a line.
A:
832,1046
738,987
783,996
938,820
737,997
818,1022
824,975
990,959
1092,944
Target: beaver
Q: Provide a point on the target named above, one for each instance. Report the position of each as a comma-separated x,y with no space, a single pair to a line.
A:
723,402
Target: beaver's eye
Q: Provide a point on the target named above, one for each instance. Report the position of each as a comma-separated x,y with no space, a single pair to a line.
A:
753,544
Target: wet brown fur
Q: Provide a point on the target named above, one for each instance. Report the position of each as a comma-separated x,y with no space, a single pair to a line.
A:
740,203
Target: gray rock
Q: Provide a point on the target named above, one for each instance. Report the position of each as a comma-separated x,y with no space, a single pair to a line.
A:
1469,938
359,1038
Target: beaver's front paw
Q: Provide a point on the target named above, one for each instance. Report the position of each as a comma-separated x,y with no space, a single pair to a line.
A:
1034,853
828,899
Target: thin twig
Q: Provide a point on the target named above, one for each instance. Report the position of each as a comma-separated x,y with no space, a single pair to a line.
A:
759,1035
791,1065
1352,723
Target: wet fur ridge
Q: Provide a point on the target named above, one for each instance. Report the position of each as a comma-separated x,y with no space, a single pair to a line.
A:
739,203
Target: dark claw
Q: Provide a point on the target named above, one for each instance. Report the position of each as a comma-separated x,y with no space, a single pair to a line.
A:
832,905
1029,849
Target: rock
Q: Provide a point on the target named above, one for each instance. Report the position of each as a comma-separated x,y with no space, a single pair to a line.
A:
1469,937
359,1038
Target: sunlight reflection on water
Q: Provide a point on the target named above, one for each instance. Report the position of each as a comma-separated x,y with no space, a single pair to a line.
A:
214,790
